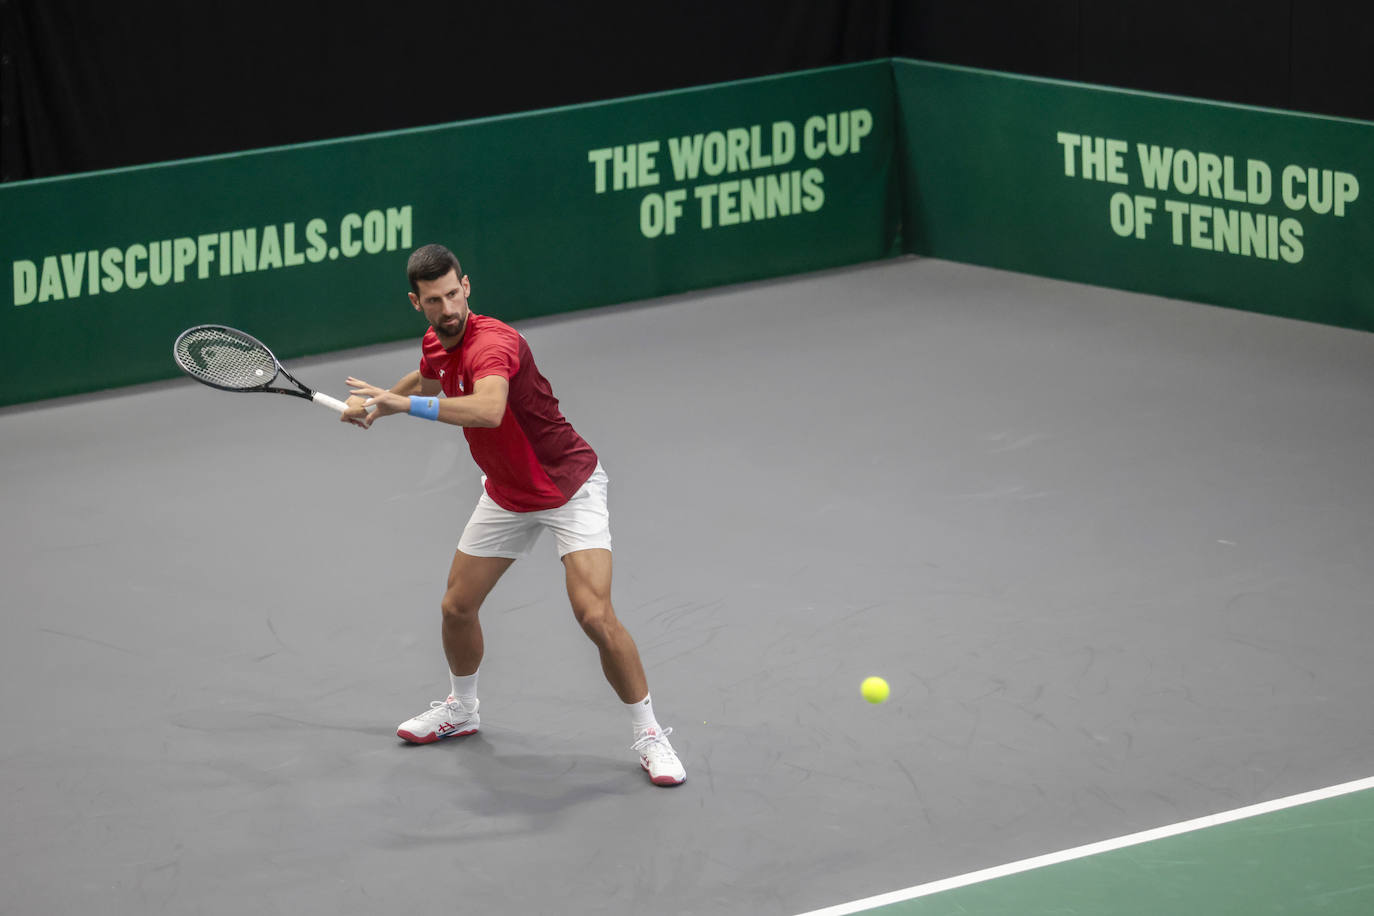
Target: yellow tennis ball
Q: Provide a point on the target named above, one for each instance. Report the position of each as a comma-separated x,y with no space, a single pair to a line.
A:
874,689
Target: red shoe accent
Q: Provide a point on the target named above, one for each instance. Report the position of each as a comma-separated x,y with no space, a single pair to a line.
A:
431,737
663,780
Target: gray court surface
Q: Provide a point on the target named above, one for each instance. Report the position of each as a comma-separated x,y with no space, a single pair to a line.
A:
1111,551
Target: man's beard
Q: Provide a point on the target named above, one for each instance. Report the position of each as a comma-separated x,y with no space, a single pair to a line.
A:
462,324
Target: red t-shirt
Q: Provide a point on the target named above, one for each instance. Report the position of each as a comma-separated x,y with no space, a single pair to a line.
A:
534,459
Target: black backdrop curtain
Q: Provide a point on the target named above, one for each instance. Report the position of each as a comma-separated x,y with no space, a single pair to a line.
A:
86,85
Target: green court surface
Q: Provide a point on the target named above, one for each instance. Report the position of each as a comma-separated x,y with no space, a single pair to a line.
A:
1316,857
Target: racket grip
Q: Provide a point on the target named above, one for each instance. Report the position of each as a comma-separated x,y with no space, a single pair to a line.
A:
333,404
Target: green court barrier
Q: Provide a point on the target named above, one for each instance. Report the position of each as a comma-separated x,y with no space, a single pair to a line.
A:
1223,204
305,247
613,202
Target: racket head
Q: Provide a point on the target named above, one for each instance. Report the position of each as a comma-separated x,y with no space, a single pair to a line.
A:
225,358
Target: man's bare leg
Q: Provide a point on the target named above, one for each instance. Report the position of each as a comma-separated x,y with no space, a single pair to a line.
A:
589,590
470,580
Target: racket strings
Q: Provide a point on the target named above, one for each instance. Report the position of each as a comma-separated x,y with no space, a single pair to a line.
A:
225,360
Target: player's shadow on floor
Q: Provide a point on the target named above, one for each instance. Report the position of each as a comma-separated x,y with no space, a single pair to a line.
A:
505,790
506,762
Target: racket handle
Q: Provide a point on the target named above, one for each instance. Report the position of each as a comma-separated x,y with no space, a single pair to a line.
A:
333,404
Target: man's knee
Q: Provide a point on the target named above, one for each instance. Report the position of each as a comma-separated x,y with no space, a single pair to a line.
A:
597,619
458,607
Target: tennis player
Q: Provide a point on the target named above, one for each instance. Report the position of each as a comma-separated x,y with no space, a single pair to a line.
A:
538,474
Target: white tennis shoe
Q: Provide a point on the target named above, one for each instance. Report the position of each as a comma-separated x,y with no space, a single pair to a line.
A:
445,719
659,760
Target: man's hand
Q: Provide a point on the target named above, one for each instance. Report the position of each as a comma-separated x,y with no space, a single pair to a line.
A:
356,412
381,402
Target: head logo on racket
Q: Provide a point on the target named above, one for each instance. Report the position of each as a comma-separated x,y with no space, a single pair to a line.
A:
195,348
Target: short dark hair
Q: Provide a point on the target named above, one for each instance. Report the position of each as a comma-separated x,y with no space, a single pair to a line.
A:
430,262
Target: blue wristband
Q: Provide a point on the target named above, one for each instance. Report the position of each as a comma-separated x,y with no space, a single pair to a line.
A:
420,406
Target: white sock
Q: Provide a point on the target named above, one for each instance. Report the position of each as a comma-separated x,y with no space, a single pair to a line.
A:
642,715
465,688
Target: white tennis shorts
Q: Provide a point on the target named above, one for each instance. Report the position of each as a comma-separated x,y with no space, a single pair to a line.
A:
582,523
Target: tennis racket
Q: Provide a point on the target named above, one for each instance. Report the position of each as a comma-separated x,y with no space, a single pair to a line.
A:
231,360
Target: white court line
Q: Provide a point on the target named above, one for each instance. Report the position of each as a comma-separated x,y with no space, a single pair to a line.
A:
1054,858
